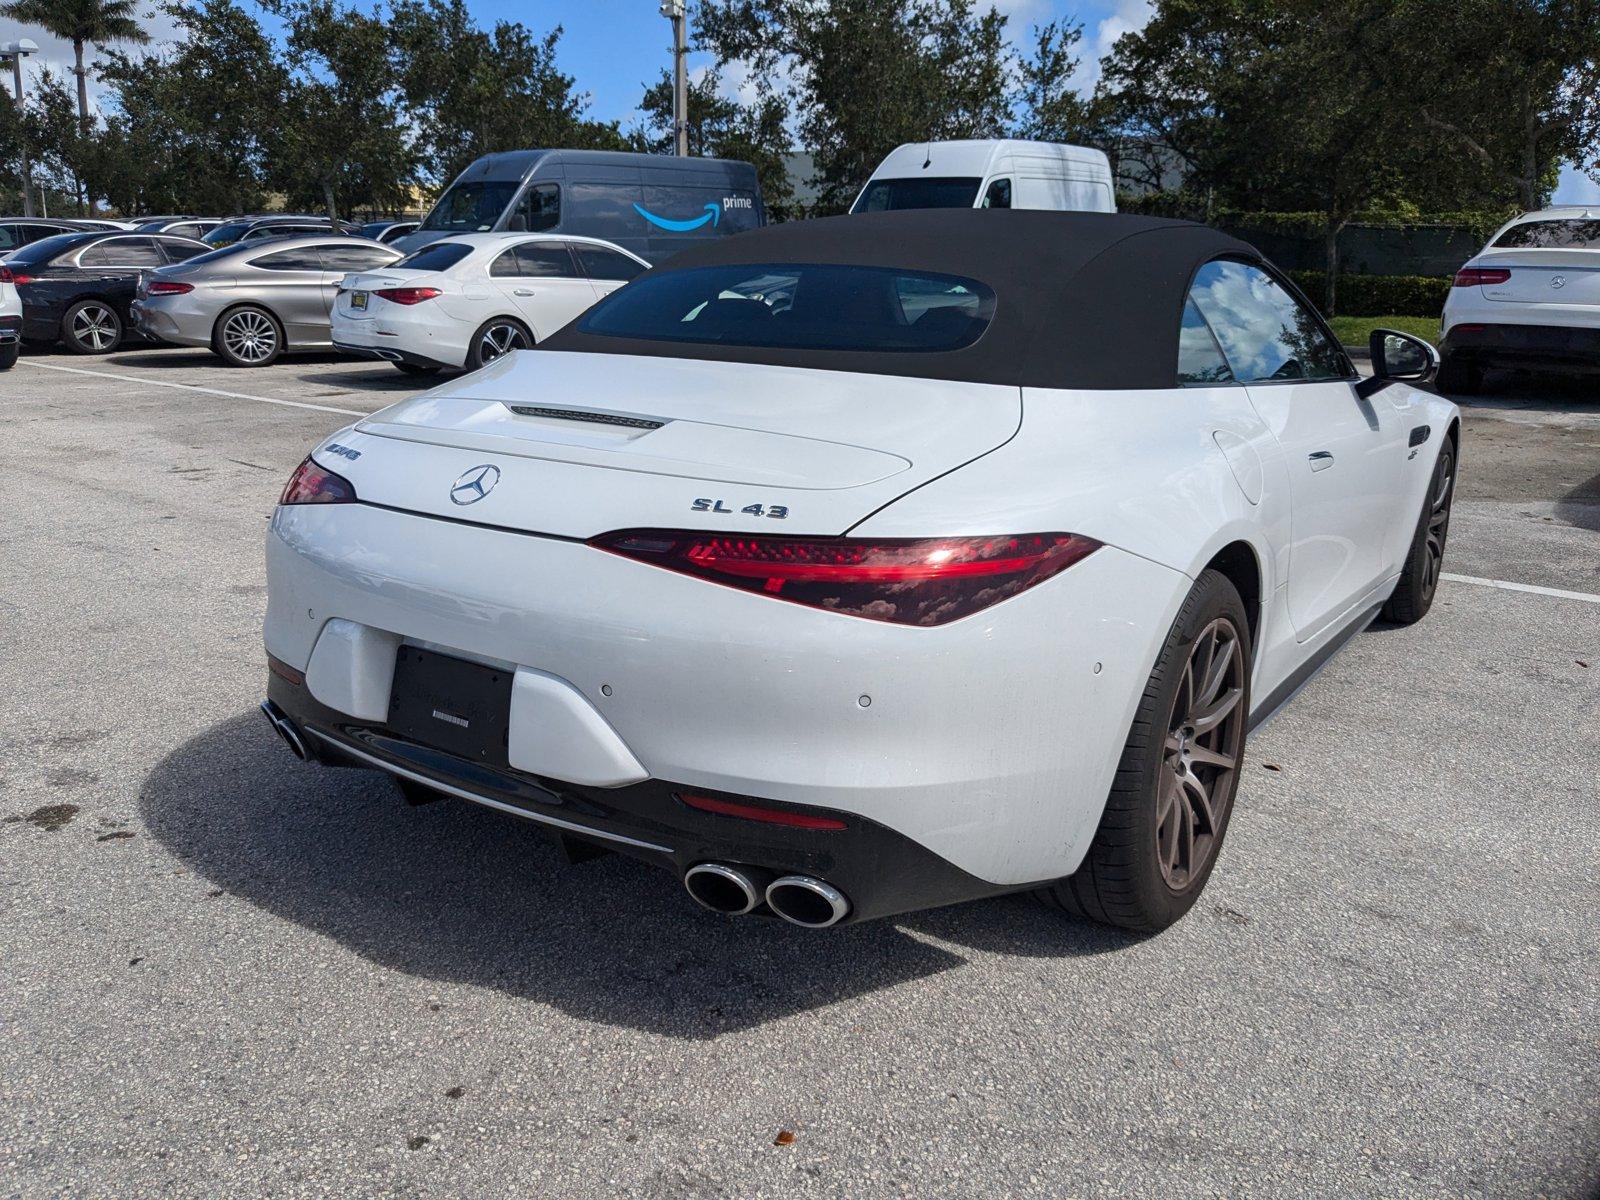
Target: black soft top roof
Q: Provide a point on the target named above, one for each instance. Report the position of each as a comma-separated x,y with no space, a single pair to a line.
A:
1082,300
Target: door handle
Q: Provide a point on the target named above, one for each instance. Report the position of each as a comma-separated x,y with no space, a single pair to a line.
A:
523,292
1321,460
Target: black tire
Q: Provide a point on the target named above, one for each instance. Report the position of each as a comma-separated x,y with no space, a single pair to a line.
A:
9,353
91,327
1419,578
1460,377
248,336
482,347
416,369
1127,880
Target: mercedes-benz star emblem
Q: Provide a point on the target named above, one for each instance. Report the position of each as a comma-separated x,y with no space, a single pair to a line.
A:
475,484
1560,281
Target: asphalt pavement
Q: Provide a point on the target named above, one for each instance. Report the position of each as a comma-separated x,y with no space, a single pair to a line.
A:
224,973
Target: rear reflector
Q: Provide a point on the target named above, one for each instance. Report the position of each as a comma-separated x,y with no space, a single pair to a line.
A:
312,484
285,672
411,295
756,812
923,581
1481,276
160,287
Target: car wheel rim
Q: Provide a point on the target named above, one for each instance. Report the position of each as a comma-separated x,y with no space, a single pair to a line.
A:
250,336
1438,522
95,327
500,339
1200,757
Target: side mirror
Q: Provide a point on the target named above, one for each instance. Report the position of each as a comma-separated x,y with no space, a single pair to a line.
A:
1398,358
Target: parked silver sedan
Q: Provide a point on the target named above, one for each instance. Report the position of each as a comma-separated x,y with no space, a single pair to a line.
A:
252,301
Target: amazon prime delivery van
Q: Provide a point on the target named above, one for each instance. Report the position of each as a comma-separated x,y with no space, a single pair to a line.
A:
651,204
996,173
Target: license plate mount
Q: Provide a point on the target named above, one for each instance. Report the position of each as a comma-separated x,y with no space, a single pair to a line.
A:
460,707
358,301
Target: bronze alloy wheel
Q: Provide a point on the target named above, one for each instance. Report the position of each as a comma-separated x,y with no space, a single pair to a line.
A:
1200,758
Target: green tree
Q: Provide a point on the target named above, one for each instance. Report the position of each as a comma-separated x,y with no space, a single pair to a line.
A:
1512,85
721,127
1050,109
864,76
188,126
1272,104
470,91
83,23
342,140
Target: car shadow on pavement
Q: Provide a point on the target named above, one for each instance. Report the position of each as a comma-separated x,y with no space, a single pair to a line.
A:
376,377
461,894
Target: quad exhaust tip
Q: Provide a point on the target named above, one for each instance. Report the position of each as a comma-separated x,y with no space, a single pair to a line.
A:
802,900
286,730
722,889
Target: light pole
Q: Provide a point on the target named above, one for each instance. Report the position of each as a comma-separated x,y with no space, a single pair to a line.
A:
676,11
16,52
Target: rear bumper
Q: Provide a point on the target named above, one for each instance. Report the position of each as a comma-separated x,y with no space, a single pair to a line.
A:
10,330
990,742
389,354
881,872
172,325
1531,345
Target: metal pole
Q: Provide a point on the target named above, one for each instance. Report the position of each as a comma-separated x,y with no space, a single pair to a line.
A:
676,11
27,170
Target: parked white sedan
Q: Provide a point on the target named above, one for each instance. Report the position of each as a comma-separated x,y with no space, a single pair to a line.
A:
1530,299
466,301
853,566
10,321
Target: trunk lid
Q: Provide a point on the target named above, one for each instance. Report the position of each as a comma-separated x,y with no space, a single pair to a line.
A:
588,443
369,282
1543,276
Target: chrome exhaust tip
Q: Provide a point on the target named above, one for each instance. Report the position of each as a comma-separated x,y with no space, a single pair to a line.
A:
722,889
802,900
285,729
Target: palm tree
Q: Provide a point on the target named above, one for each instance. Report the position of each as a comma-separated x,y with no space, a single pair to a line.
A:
83,23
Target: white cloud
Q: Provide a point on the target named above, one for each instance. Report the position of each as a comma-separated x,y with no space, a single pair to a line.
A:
1576,188
56,53
1128,16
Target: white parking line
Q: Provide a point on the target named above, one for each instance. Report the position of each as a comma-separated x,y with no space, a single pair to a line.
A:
1508,586
194,387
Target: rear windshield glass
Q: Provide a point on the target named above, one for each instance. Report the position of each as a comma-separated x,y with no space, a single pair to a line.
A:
1570,233
470,207
884,194
440,256
805,307
223,234
42,251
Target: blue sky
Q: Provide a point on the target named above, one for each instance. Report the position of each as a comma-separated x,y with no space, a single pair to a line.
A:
613,47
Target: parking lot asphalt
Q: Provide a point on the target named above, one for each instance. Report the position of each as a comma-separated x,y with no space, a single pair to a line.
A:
226,973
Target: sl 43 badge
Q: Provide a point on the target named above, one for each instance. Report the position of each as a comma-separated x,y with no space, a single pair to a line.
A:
776,512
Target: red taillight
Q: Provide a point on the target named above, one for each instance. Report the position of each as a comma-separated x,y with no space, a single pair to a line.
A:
311,484
18,278
5,275
1481,276
160,287
925,581
758,812
407,295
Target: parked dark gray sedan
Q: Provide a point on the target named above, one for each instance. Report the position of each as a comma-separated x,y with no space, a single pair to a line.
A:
252,301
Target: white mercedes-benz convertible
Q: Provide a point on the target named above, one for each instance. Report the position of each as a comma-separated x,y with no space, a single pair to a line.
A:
855,566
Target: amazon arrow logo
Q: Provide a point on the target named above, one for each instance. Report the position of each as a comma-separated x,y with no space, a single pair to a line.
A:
713,214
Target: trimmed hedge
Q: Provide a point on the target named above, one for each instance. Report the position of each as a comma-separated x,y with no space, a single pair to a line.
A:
1379,295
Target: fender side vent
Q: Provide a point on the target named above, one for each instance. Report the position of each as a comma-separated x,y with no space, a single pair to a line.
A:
591,418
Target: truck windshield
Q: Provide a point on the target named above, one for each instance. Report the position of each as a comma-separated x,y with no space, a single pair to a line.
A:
884,194
470,207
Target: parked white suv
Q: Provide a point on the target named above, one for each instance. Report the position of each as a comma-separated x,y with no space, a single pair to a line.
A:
1531,298
10,320
472,297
